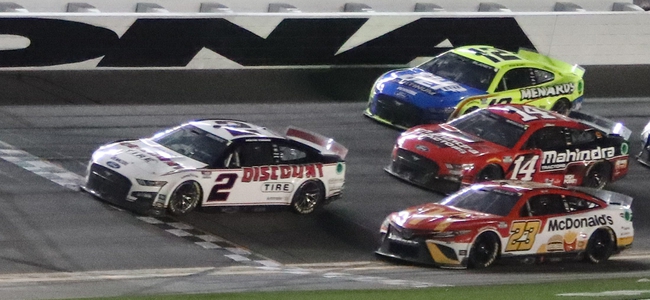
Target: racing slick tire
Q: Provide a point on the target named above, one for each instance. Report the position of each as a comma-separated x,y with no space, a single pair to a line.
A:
308,197
597,175
490,172
184,198
484,251
600,246
562,106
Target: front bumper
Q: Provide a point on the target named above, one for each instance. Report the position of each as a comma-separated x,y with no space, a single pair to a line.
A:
115,188
420,250
403,114
422,172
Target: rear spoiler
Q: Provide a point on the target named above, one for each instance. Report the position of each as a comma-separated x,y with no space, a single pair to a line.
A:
558,64
324,144
612,198
603,124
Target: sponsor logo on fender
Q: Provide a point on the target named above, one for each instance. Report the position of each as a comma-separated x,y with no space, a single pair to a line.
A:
548,91
265,173
577,223
557,160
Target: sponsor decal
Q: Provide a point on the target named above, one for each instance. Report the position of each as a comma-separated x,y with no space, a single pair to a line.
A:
339,168
577,223
621,164
553,160
174,42
547,91
113,164
265,173
146,156
121,161
443,140
570,179
407,91
429,83
422,148
625,148
279,187
555,244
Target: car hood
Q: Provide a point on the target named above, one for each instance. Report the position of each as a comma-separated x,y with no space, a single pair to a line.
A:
436,217
423,88
445,143
143,157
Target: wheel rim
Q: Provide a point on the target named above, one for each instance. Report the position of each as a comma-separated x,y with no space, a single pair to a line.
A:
600,246
484,251
488,174
309,197
596,178
184,198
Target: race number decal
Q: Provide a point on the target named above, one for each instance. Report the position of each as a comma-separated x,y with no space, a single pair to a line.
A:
530,113
522,235
220,191
524,167
495,55
500,101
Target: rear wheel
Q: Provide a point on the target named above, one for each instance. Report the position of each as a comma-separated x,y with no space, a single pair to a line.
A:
184,198
490,172
308,197
597,175
600,246
484,251
562,106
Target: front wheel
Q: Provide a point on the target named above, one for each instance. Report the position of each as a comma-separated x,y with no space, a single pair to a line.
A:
308,197
484,251
184,198
490,172
600,246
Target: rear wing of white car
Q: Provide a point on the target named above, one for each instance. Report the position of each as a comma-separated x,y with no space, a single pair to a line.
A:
612,198
603,124
324,144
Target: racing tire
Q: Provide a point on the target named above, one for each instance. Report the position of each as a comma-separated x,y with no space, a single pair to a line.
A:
490,172
562,106
484,251
184,198
600,246
597,175
471,109
308,197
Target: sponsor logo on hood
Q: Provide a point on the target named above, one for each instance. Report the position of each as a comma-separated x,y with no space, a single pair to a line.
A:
444,140
113,164
429,83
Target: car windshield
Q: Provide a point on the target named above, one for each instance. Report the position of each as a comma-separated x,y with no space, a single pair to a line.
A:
461,70
193,142
486,200
490,127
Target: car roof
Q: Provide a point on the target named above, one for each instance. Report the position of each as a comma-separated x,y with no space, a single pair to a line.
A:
495,52
508,111
234,129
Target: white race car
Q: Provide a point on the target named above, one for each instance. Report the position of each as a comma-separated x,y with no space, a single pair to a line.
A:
218,163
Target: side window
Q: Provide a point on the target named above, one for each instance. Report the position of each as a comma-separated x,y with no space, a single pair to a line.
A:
578,204
516,79
544,205
548,138
580,137
290,154
255,154
542,76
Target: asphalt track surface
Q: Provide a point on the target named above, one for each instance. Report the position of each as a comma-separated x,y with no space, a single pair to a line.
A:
57,242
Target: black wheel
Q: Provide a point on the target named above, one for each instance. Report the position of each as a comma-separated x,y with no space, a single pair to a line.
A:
562,106
471,109
185,198
490,172
597,176
600,246
484,251
308,197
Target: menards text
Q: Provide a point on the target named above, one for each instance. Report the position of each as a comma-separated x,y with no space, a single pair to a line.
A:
265,173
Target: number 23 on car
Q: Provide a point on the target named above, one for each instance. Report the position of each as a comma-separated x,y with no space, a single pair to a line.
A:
219,163
513,142
510,219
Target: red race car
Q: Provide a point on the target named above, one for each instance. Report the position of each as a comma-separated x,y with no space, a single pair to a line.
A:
510,219
517,142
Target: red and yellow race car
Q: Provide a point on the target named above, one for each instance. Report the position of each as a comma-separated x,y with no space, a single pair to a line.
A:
513,142
510,219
